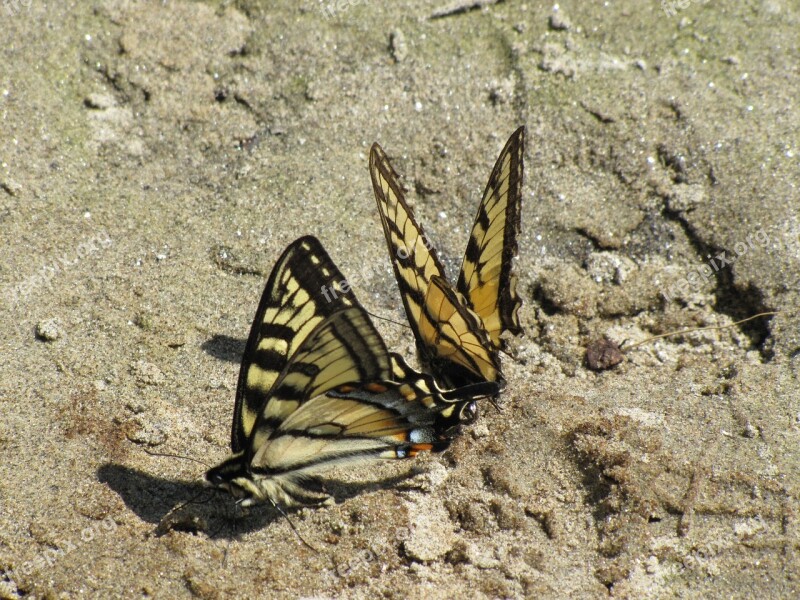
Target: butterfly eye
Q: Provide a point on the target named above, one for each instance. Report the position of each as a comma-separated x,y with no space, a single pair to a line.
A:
469,413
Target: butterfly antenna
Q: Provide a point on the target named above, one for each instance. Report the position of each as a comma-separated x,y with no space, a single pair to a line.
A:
288,520
663,335
380,318
207,466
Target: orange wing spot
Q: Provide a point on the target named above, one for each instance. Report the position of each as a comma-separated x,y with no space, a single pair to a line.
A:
375,387
345,389
417,448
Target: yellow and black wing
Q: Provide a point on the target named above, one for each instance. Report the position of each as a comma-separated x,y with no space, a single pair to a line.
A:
457,329
487,280
304,288
462,348
413,257
343,423
343,348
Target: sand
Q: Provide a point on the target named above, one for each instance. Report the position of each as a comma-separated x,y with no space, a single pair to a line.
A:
157,157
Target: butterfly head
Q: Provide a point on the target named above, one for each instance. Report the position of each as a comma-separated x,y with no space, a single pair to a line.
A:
232,476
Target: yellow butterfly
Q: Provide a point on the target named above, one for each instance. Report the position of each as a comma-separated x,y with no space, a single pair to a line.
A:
317,388
458,330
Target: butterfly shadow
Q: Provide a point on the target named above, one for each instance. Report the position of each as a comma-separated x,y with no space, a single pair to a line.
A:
194,507
224,347
190,506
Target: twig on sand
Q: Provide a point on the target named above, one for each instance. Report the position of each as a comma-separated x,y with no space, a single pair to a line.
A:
461,6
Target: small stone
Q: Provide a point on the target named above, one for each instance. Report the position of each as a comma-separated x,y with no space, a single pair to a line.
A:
135,407
431,534
480,430
609,267
602,354
686,197
181,522
12,187
651,564
99,101
398,45
501,92
48,330
558,22
481,556
147,373
148,435
748,528
749,430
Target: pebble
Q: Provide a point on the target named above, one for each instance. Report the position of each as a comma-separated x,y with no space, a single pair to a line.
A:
147,373
48,330
398,44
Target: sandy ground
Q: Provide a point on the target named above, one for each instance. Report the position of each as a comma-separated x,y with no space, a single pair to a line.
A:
158,156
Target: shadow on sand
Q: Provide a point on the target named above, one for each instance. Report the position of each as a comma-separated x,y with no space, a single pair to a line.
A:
195,507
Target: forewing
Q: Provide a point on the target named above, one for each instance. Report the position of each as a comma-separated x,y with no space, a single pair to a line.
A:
304,288
486,278
413,258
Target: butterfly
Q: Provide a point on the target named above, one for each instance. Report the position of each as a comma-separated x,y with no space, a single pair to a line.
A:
317,387
458,329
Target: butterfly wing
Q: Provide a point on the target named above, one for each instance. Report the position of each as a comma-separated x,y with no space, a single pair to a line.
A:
462,347
327,390
331,407
344,348
439,317
305,287
486,279
414,259
372,421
